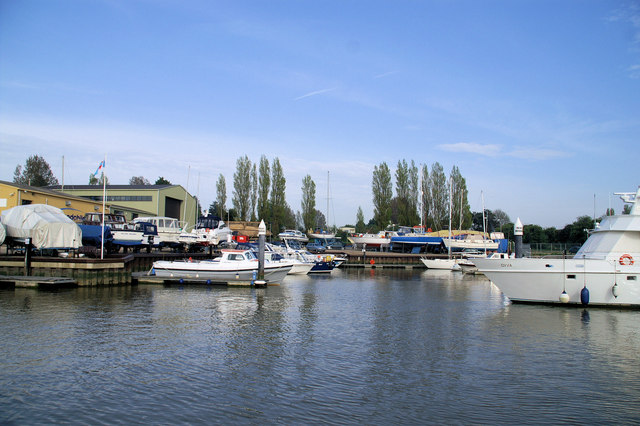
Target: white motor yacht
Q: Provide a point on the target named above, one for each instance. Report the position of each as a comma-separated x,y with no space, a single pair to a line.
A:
605,271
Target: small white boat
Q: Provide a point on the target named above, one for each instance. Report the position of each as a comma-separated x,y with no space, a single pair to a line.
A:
450,264
604,272
300,266
232,266
319,263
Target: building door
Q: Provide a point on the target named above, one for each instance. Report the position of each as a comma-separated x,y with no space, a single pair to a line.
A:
172,207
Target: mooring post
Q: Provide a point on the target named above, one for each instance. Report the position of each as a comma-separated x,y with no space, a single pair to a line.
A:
518,231
262,232
27,257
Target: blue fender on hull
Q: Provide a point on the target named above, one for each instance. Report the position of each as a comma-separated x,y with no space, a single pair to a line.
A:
584,296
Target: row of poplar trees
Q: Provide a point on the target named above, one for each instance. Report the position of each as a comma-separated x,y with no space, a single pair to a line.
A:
421,197
259,193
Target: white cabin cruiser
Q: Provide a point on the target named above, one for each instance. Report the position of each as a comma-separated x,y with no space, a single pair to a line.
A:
468,266
604,272
293,234
300,266
209,231
232,266
168,228
382,239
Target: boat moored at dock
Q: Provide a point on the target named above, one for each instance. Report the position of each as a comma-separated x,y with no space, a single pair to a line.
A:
604,272
446,264
232,266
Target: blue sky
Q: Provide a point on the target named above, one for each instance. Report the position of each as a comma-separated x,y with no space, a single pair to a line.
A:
537,102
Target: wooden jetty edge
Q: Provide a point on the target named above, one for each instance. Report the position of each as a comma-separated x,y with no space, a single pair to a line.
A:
37,282
146,278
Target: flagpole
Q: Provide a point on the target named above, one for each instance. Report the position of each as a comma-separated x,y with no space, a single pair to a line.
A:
104,197
184,214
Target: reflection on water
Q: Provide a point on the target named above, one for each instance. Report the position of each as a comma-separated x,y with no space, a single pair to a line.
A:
360,346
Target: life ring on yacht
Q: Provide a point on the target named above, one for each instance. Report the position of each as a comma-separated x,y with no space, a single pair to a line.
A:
626,259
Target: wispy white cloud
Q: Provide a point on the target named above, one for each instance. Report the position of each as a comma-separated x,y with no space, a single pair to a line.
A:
628,13
57,87
385,74
489,150
494,150
317,92
18,85
537,154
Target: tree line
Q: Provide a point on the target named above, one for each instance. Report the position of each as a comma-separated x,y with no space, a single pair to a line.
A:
423,197
259,193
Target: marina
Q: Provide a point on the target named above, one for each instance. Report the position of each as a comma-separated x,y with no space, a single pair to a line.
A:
366,346
259,213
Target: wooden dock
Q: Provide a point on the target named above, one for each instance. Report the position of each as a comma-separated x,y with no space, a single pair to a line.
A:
382,259
37,282
145,278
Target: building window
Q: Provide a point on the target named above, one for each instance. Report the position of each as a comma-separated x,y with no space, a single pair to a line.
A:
122,197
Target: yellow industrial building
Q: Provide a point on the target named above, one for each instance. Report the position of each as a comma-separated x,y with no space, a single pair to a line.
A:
131,200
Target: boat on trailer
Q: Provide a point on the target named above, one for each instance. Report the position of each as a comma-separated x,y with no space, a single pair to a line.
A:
293,234
604,272
382,239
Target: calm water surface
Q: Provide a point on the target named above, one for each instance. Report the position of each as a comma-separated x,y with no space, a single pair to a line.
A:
374,347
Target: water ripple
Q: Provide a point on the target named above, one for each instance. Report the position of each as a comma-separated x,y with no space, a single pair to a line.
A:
362,347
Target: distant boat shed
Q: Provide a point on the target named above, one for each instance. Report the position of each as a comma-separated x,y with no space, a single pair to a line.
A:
149,200
13,195
130,200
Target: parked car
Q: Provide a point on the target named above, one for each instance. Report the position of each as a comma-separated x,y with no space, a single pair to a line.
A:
334,244
315,247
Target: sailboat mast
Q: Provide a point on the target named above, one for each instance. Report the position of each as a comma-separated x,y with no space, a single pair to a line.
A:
328,200
461,200
450,212
484,231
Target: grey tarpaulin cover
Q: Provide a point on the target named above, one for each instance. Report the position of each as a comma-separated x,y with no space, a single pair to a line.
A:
47,226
